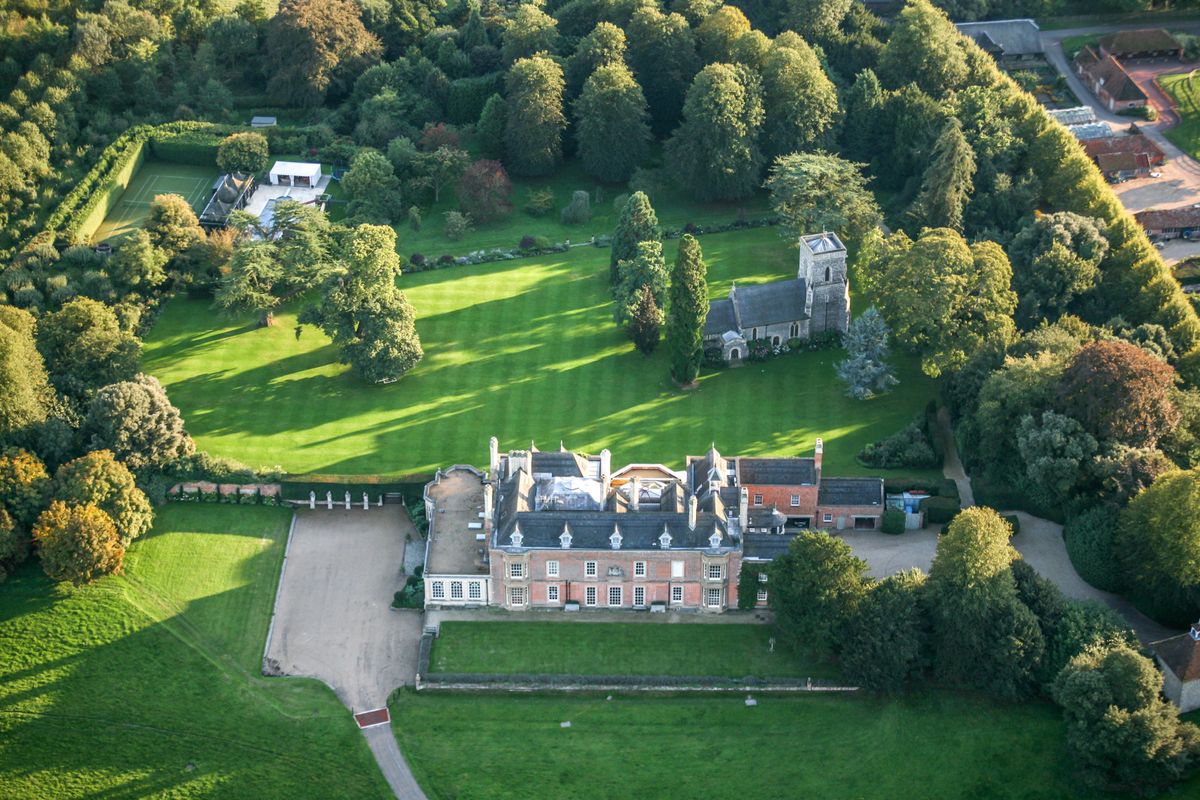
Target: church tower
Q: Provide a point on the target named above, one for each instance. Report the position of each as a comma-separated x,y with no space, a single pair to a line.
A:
823,266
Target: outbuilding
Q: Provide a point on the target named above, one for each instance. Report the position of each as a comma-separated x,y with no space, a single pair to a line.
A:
1179,658
295,173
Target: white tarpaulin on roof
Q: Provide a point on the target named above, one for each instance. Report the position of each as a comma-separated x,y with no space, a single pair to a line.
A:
287,172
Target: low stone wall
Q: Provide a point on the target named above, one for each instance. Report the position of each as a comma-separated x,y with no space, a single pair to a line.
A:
240,493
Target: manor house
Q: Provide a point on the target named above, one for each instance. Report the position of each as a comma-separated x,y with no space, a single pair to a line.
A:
816,301
562,530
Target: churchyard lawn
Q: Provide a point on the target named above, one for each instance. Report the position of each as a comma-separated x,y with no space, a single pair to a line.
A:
523,350
149,684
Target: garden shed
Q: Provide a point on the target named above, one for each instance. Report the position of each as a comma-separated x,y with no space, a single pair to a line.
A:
295,173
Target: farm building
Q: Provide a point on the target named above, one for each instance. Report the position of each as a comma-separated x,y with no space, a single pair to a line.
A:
1107,79
295,173
230,193
1123,157
1144,43
1005,39
1170,223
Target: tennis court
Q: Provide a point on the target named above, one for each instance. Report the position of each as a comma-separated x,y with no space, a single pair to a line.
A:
155,178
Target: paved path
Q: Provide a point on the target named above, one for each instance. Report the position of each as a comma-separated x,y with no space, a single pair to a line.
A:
333,619
438,616
952,467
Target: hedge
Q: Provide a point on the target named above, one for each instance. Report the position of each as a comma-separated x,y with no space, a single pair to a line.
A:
1014,522
298,487
940,510
190,147
1089,537
893,522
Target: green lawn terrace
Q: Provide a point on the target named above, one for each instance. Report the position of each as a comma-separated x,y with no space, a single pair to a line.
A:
1184,90
620,648
525,350
153,178
149,684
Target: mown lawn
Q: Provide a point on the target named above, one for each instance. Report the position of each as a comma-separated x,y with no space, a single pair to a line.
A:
602,648
523,350
921,747
1185,91
148,684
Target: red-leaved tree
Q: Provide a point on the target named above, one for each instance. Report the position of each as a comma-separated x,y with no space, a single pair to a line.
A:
485,192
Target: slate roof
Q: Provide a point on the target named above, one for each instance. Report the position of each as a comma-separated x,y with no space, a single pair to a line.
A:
1015,37
720,318
850,492
1144,40
567,465
777,471
771,303
1182,655
766,546
590,530
827,242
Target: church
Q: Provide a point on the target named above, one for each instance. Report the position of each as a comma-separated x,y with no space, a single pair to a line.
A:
816,301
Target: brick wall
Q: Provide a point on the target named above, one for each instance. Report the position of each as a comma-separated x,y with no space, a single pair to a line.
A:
781,498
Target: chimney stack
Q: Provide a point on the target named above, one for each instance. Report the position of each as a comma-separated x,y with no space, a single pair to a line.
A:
605,469
693,507
487,509
635,493
493,456
744,509
818,451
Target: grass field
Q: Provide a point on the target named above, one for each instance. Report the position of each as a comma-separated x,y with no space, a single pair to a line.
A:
148,684
1185,91
523,350
156,177
599,648
922,747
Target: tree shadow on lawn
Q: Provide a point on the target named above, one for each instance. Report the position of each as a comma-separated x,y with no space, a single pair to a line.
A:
99,699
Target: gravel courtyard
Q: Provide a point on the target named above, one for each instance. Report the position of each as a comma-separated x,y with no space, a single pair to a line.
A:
333,619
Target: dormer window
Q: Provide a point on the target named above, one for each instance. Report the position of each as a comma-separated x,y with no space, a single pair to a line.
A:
564,539
615,539
517,537
664,541
714,541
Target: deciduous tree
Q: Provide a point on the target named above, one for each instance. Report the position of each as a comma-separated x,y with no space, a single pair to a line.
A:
372,187
138,263
714,153
172,224
485,192
942,296
1119,393
529,31
369,320
924,48
84,348
662,52
801,102
243,152
716,34
612,124
77,543
1158,545
1055,258
534,120
315,47
25,393
604,46
99,479
884,646
136,421
816,588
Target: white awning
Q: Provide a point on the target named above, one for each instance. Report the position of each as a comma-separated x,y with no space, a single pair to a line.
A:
296,169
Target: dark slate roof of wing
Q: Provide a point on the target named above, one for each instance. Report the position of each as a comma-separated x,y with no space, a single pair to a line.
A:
590,530
564,465
1146,40
766,545
777,471
720,318
851,492
771,303
1015,37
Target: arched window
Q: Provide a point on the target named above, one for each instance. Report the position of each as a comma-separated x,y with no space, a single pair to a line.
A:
754,333
735,354
775,341
828,275
795,330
